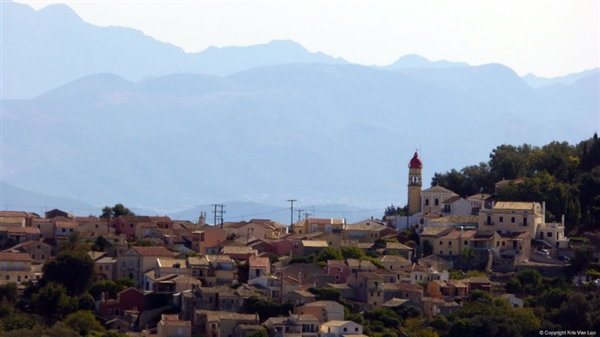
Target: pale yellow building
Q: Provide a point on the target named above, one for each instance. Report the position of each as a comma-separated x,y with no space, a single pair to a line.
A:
432,199
510,216
172,326
15,267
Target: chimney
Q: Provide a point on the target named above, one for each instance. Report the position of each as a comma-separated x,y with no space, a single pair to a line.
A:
543,212
462,230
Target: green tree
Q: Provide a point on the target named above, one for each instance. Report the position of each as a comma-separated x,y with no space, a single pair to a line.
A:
513,285
584,256
427,248
101,243
468,254
259,333
329,253
83,322
144,243
52,303
116,211
575,313
73,269
9,292
529,278
349,252
73,243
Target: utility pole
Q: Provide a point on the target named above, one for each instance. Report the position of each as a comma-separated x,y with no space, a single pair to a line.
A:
215,213
291,201
299,212
221,214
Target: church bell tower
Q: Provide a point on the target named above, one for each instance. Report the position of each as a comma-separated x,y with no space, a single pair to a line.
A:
414,184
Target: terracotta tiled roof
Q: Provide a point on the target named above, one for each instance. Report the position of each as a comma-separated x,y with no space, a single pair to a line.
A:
510,205
15,257
414,267
171,262
238,250
396,245
451,199
66,224
262,262
315,243
479,196
152,251
393,259
355,263
370,226
23,230
336,263
433,231
374,276
410,287
319,221
11,214
452,235
457,219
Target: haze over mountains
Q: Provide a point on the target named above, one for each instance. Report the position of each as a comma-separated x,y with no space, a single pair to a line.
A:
143,123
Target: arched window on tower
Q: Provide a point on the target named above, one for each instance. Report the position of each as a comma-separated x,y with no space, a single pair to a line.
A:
426,202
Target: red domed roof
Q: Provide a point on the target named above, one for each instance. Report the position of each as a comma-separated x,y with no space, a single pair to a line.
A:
415,162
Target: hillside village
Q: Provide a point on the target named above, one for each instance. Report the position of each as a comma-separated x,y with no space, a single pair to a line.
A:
154,276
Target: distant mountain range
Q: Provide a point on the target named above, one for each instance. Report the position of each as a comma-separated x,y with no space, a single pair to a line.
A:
23,200
53,46
132,123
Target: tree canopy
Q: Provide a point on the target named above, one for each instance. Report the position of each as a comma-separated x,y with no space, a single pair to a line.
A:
115,211
565,176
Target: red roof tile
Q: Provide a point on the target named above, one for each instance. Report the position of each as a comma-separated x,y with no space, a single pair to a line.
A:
153,251
15,257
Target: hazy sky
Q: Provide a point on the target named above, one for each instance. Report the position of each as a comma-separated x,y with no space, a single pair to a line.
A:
547,38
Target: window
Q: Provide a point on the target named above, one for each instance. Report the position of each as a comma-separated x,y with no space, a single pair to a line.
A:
466,243
498,243
96,225
441,243
43,256
503,243
355,329
449,243
549,234
441,252
33,256
437,202
64,230
130,225
501,219
337,277
345,329
100,268
512,219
